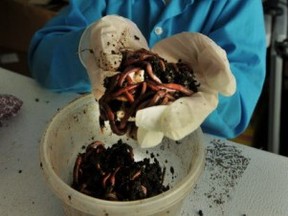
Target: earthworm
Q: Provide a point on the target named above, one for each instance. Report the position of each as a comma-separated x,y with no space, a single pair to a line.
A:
162,83
112,173
125,73
77,171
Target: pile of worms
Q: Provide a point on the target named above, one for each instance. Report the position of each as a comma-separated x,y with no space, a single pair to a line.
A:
113,174
145,79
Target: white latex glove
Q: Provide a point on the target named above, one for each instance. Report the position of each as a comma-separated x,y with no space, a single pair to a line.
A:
100,45
209,62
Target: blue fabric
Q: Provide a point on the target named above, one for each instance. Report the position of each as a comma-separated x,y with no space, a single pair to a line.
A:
237,26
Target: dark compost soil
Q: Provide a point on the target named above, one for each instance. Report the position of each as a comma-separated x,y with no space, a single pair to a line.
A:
113,174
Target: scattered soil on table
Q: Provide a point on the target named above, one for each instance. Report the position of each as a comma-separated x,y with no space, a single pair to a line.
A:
226,165
113,174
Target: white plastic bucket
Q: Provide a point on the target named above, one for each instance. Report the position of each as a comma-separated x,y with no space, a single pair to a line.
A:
76,125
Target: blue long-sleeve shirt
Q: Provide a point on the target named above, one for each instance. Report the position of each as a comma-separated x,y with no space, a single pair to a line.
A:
237,26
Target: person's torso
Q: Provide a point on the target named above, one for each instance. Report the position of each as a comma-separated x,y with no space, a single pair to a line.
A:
158,19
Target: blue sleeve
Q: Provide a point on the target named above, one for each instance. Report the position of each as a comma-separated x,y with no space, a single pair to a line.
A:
240,30
53,57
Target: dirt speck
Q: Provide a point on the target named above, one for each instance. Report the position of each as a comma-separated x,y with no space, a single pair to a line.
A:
136,37
172,170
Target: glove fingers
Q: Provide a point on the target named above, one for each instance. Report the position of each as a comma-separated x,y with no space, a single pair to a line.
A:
187,114
148,138
208,60
107,37
216,71
110,35
149,118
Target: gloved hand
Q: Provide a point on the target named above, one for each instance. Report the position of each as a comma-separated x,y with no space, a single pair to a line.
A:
100,46
107,37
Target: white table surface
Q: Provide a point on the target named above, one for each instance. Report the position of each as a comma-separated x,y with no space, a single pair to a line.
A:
238,180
